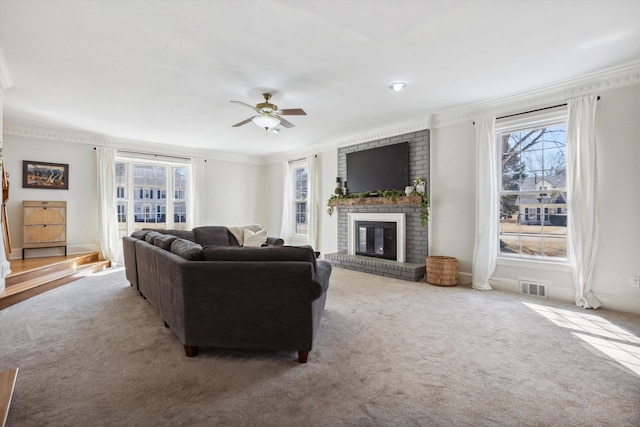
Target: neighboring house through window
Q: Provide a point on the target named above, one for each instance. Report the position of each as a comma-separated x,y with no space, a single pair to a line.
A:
533,194
141,190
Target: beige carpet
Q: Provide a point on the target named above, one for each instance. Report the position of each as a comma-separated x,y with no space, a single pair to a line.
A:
389,353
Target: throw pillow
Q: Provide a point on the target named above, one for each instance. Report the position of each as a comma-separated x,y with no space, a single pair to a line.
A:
255,239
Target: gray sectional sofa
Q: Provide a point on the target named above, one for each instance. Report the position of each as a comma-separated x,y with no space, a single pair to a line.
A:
212,292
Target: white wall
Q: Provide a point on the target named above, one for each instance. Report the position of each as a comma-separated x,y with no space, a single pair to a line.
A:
618,151
274,182
236,194
618,145
452,197
328,234
242,193
327,169
81,197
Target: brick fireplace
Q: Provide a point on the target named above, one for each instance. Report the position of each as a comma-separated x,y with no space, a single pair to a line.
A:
415,245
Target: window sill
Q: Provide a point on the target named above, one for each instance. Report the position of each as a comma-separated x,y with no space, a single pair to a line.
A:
299,239
534,264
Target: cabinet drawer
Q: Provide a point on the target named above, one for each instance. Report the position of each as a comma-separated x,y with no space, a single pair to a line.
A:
40,235
44,215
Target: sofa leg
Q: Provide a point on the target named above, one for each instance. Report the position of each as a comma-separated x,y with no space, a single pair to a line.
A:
166,325
302,356
190,350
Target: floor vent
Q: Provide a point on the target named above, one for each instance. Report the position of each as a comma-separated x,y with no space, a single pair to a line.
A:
537,289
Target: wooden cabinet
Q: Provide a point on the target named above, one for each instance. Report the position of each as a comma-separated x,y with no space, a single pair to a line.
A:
45,225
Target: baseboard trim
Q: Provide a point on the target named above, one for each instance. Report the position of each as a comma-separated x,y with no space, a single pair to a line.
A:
16,253
628,305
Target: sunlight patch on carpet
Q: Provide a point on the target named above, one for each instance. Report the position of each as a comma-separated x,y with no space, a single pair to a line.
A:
611,340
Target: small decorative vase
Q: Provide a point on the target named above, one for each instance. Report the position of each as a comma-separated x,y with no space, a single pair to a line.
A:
408,190
420,188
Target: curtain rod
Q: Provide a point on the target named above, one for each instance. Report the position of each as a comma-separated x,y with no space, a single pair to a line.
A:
151,154
302,158
534,111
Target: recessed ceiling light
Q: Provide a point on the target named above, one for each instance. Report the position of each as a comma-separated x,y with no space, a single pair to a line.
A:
397,86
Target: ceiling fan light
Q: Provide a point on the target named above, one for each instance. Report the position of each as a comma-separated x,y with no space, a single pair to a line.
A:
397,86
266,121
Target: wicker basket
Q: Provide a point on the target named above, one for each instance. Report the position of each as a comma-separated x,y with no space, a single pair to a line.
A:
442,271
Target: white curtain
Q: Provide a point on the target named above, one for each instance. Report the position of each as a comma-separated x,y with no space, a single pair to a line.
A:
197,195
107,216
582,200
313,205
485,249
285,227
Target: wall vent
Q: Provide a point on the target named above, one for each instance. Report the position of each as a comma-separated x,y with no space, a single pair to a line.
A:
530,287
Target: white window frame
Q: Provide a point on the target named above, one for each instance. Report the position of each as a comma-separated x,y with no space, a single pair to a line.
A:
514,124
169,200
298,238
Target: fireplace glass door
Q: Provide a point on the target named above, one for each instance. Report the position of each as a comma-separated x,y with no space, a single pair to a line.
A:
376,239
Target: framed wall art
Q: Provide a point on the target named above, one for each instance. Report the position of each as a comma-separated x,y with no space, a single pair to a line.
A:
53,176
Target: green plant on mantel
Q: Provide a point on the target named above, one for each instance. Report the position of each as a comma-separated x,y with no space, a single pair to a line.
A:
424,208
392,195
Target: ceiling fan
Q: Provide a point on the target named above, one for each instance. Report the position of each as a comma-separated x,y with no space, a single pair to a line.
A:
268,115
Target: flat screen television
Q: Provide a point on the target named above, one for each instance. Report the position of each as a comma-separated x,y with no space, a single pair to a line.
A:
381,168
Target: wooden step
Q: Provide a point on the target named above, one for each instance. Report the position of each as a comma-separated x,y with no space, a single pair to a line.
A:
38,267
29,283
7,384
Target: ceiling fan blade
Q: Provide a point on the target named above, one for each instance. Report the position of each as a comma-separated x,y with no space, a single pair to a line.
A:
246,105
292,112
286,123
244,122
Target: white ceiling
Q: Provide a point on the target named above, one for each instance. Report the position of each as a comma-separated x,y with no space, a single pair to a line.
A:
164,71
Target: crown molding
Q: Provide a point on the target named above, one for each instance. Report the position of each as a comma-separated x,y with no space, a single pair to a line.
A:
388,132
65,135
589,84
6,81
396,130
298,154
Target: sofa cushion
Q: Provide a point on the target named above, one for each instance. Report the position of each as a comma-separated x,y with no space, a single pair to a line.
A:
182,234
139,234
151,236
254,238
187,249
211,235
237,232
164,241
268,253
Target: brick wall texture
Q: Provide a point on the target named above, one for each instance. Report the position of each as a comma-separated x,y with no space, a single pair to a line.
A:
417,237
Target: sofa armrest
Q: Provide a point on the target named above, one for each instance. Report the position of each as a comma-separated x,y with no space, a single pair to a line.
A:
131,270
275,241
321,277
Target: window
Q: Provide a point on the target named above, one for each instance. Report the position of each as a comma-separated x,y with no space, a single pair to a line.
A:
300,192
533,194
142,194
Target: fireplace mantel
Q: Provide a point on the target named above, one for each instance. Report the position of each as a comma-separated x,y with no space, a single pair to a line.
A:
371,201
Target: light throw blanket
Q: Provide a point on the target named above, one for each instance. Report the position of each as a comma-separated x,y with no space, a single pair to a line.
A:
238,231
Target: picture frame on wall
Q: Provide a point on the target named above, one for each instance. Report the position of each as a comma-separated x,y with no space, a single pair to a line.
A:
47,175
